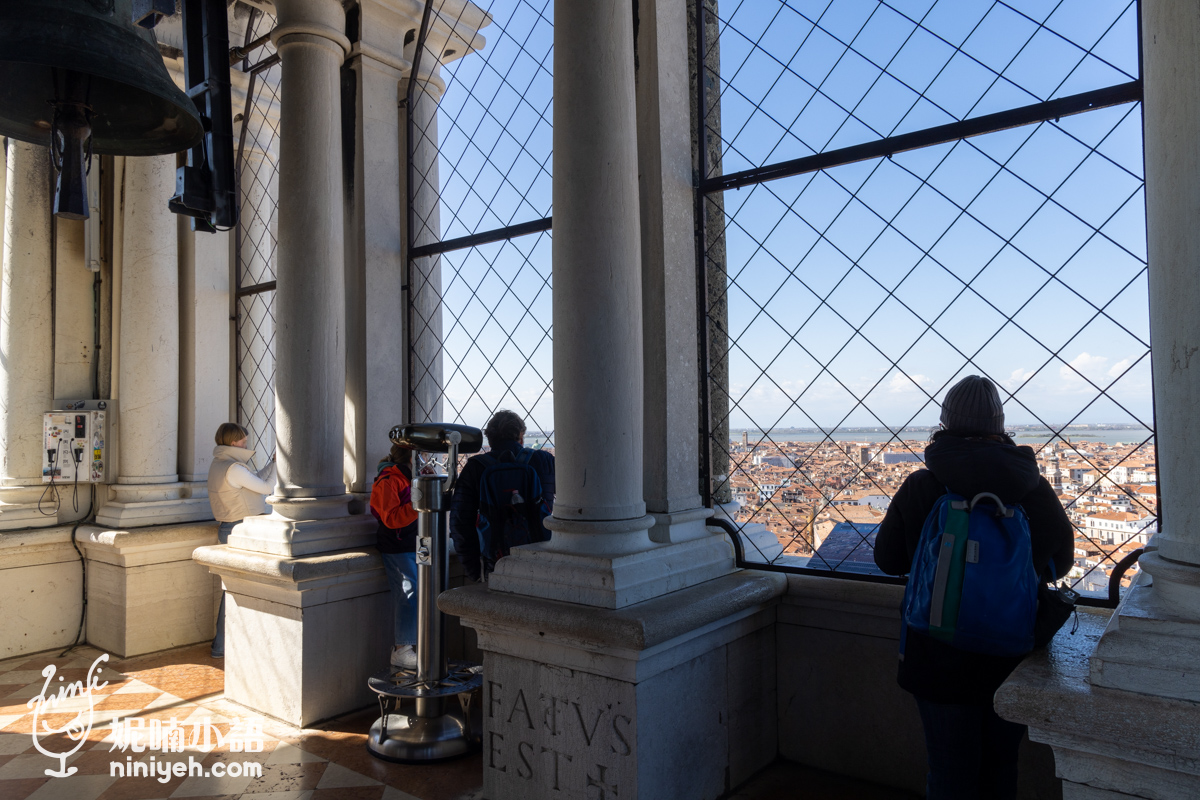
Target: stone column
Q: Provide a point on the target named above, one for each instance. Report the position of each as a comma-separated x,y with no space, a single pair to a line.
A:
1132,655
601,553
26,335
307,610
311,511
148,491
1125,712
672,438
205,371
639,685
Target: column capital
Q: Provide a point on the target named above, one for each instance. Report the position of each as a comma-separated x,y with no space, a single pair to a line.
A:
314,22
389,30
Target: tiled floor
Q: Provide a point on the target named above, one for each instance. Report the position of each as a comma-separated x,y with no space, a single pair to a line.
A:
329,762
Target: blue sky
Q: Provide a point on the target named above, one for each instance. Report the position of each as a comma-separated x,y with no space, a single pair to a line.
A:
1046,223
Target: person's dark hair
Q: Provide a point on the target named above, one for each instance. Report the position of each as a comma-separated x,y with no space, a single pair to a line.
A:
399,455
504,426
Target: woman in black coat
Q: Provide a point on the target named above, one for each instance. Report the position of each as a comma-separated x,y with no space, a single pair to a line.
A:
972,751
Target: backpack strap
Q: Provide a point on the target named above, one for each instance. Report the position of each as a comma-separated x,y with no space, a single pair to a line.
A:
525,456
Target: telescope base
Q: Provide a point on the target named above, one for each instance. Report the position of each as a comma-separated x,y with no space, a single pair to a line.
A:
411,739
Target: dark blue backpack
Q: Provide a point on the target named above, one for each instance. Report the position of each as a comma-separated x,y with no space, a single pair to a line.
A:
511,506
973,584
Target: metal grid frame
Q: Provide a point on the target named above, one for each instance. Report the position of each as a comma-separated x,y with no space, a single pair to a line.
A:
824,159
479,324
255,241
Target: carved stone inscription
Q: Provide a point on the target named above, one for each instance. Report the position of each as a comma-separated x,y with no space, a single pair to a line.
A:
551,732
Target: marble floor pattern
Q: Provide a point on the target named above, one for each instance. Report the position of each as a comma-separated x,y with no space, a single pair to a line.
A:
326,762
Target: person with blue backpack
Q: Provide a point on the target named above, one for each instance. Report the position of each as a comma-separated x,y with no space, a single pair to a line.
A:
978,531
501,497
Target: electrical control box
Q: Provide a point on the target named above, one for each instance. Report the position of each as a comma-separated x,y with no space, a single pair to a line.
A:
75,442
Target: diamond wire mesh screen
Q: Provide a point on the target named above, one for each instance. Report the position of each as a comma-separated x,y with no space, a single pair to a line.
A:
480,301
850,298
258,172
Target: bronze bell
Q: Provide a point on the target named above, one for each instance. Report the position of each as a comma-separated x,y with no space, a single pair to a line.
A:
79,77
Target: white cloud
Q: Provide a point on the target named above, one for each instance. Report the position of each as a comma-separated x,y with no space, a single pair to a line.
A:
1084,364
1018,377
1119,368
906,383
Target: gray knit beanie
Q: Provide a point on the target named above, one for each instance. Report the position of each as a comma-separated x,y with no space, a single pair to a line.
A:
973,406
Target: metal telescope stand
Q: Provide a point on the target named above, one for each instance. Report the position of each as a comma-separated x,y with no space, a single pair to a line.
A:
434,726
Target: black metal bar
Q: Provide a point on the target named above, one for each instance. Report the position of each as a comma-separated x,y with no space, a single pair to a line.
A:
258,288
1013,118
1118,571
265,63
410,210
702,269
487,237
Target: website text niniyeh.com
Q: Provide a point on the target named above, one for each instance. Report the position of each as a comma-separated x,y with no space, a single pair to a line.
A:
163,771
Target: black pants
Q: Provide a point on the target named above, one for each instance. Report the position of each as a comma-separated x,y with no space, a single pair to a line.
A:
972,752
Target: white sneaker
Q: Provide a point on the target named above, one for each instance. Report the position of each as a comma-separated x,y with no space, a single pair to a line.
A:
404,657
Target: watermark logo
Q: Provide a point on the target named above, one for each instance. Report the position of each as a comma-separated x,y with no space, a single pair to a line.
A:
245,735
75,728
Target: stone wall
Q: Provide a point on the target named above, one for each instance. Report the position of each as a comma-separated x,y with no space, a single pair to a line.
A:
840,708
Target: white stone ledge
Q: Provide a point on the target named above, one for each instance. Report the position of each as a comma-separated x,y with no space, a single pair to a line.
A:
36,547
1051,692
296,582
143,546
859,607
630,644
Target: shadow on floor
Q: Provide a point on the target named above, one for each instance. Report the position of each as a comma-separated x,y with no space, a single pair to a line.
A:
785,780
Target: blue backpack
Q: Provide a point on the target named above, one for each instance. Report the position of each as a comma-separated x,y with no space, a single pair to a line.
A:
511,506
973,584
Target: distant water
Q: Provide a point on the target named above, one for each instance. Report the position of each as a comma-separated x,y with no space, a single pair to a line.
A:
1030,437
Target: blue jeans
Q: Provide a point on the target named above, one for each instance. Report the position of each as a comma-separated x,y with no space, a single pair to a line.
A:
402,579
218,644
972,752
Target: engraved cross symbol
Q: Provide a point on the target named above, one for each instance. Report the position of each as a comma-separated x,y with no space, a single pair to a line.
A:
604,788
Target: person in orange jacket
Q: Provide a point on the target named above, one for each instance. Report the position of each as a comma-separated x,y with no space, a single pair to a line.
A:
396,538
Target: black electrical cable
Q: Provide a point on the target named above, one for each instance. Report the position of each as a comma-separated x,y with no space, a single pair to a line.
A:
53,457
77,454
82,572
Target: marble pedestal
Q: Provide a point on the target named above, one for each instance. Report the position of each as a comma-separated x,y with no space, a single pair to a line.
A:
662,699
145,593
137,504
1108,743
302,635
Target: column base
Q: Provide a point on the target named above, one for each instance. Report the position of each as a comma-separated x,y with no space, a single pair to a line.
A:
19,507
574,566
1152,643
662,700
135,505
302,635
144,591
306,526
679,526
759,544
1108,742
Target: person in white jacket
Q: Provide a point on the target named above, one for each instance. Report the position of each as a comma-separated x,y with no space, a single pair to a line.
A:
235,492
